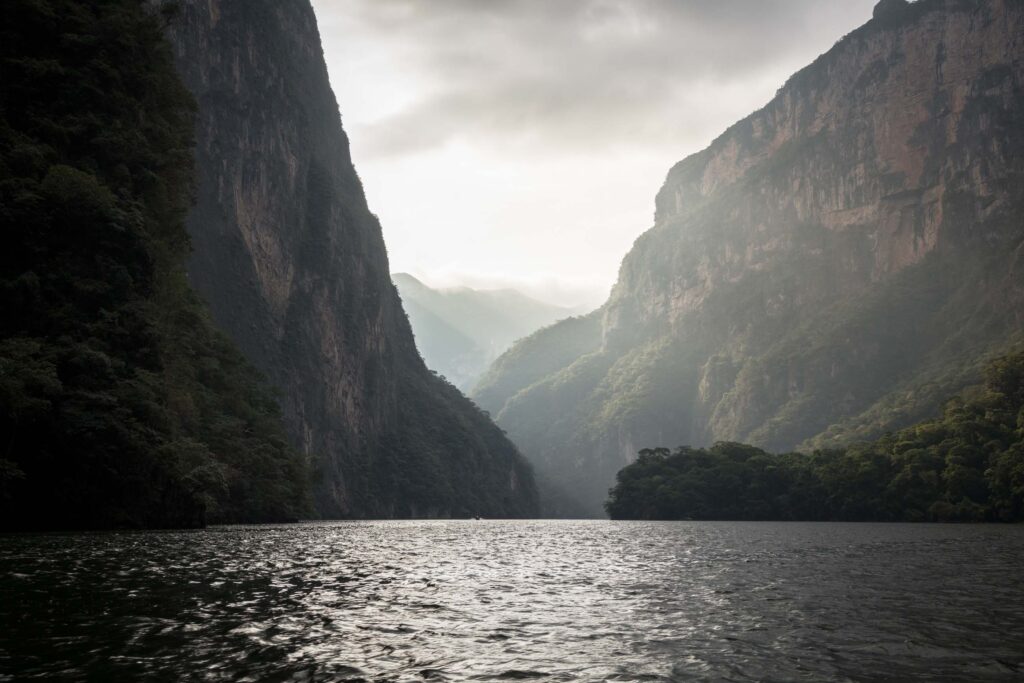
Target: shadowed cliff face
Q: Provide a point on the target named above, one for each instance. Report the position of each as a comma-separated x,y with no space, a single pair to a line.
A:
831,267
294,268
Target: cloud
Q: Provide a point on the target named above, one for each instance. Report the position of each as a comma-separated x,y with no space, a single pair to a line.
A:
579,75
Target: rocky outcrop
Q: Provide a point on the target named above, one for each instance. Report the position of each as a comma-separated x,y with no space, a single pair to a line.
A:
294,268
830,267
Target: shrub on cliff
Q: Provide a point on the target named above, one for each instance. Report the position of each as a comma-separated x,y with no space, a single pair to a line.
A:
967,465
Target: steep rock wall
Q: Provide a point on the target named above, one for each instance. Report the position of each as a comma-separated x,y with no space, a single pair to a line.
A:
864,144
830,267
295,270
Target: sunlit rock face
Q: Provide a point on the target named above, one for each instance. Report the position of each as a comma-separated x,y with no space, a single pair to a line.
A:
295,271
832,266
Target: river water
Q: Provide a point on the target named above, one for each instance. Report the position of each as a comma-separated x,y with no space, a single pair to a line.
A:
537,600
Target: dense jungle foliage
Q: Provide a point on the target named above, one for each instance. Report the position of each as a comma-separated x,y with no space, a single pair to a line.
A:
967,465
120,404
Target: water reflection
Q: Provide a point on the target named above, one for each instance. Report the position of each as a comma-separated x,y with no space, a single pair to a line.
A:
561,601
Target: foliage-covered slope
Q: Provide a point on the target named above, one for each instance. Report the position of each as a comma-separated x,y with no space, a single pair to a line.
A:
295,270
967,465
460,331
120,404
831,267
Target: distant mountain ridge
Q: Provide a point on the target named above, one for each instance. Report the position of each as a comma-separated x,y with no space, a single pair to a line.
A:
830,268
460,331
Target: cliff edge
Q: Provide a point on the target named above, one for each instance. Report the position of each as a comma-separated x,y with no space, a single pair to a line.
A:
294,268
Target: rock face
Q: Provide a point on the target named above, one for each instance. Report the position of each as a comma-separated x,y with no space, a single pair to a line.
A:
829,268
294,268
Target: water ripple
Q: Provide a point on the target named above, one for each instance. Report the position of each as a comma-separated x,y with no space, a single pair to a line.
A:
517,601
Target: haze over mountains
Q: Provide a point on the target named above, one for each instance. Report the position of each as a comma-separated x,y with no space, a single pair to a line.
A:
834,266
460,331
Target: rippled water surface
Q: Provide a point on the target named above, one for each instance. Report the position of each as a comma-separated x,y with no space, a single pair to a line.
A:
492,600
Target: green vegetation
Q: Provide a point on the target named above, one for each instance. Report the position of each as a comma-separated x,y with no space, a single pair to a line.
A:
120,404
448,459
534,358
967,465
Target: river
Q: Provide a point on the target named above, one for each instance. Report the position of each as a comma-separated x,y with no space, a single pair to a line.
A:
517,600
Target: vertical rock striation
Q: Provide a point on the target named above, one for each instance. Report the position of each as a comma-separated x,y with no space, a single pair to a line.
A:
829,268
294,268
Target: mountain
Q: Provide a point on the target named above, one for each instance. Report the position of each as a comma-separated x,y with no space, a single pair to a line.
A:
460,331
830,268
294,269
121,405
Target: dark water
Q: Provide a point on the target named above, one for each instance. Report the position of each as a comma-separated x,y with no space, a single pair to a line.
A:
559,601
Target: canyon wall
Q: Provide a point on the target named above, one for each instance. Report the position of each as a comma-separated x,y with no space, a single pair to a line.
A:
293,266
831,267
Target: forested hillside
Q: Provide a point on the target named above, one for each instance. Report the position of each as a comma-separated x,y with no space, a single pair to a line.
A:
966,466
120,404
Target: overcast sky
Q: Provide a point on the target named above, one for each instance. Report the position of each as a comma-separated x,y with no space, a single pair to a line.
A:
521,142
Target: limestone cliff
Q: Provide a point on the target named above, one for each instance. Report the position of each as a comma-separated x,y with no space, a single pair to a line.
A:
829,268
294,268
